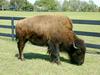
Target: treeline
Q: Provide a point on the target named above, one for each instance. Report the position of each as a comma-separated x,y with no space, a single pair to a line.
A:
49,5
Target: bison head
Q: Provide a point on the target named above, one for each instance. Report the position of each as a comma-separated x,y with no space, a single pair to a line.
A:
77,52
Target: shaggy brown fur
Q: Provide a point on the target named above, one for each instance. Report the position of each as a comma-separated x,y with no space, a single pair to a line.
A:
52,31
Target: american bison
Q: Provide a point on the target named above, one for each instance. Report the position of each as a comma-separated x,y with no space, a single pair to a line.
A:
55,32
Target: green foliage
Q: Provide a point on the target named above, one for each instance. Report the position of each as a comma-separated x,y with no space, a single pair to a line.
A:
27,6
99,9
46,5
4,4
77,5
49,5
21,5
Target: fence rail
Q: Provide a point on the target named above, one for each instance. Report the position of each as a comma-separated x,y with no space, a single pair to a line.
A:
75,21
90,22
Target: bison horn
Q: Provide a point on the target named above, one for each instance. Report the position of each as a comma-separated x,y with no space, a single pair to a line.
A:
74,46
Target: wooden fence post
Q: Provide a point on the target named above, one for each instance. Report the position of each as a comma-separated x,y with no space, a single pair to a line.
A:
12,23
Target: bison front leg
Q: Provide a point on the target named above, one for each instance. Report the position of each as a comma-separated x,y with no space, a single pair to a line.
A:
53,50
21,45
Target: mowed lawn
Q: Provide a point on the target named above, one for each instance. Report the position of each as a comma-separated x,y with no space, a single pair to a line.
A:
36,58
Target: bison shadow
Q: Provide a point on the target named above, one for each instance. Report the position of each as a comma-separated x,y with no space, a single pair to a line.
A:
30,56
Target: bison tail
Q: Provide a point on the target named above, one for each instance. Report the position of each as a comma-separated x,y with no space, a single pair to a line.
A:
16,38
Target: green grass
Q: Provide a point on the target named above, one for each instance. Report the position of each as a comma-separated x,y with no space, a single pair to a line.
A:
74,15
37,60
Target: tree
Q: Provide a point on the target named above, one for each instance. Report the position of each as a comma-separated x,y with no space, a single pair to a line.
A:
27,6
98,9
78,5
21,5
4,4
65,5
92,6
83,6
46,5
71,5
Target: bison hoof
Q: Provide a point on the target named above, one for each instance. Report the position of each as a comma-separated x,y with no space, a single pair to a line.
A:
57,62
22,59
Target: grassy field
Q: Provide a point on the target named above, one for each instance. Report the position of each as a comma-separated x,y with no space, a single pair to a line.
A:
37,60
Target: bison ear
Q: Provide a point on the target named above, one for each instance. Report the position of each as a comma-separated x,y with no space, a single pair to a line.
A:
75,45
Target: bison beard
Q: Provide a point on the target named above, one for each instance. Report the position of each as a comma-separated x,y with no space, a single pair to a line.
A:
55,32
